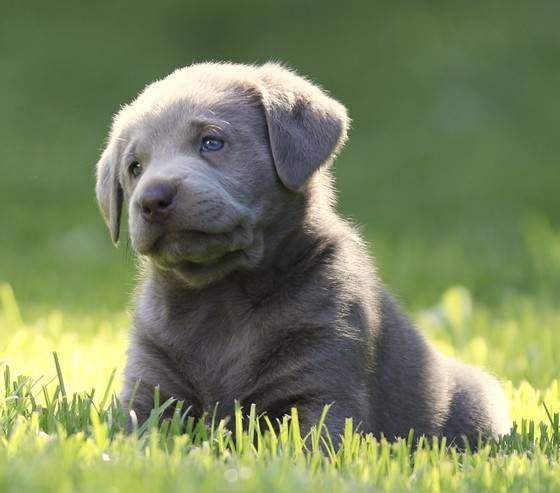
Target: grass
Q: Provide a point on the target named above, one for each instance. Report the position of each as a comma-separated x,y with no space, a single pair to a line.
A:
77,443
62,428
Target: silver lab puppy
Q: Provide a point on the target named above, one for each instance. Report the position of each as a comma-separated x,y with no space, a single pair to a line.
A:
253,288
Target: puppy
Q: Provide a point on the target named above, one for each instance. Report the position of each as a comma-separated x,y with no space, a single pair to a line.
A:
253,288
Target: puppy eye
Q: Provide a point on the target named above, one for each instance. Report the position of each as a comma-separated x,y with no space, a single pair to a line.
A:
211,144
135,169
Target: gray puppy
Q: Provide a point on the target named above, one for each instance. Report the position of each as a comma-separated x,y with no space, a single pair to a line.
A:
253,288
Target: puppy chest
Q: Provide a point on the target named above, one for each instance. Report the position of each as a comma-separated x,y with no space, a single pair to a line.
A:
215,371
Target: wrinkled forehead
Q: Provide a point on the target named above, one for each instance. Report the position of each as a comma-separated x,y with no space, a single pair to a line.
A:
170,107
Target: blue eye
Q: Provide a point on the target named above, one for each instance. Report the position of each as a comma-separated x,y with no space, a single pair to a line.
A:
135,169
211,144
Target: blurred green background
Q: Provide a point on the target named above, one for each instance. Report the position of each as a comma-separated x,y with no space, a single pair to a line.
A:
452,167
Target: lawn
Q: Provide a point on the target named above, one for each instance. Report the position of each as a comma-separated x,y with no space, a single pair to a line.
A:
52,439
451,172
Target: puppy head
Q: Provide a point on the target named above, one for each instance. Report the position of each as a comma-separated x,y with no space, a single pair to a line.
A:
210,158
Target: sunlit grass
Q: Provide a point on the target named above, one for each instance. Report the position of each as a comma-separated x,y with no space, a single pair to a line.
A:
75,442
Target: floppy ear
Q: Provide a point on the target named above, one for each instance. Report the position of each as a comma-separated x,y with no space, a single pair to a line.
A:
109,192
306,127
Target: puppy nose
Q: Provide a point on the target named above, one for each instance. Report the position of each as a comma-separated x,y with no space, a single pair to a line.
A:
157,201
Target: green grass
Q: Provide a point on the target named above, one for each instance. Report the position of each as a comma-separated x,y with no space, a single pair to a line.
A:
256,460
62,429
77,443
451,171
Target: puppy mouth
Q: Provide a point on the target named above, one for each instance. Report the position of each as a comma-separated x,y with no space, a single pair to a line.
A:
189,249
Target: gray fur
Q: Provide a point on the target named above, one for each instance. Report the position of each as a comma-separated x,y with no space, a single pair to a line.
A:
253,287
109,193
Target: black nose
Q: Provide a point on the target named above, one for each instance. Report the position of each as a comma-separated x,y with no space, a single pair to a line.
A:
157,201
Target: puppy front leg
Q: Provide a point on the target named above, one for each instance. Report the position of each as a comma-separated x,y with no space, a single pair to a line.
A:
136,397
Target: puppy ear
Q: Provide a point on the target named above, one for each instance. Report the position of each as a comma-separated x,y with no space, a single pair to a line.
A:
109,192
306,127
